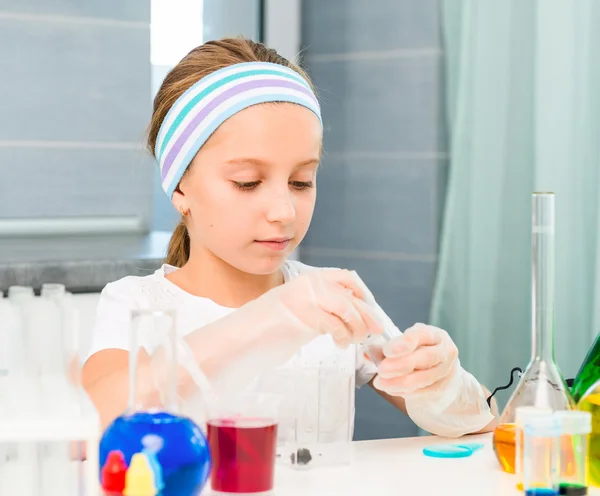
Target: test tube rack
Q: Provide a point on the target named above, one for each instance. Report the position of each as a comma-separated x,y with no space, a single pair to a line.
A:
46,405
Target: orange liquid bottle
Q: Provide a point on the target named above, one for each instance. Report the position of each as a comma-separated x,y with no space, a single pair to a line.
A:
504,446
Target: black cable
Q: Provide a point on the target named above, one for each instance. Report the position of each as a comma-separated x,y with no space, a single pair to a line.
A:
512,378
502,388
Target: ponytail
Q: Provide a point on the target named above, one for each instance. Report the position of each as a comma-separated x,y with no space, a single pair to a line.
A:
179,247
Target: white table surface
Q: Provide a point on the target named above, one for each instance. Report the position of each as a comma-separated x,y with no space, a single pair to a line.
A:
397,467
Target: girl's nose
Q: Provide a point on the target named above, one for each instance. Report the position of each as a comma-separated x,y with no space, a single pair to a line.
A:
281,209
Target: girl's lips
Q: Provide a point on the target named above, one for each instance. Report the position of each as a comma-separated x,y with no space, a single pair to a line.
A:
275,245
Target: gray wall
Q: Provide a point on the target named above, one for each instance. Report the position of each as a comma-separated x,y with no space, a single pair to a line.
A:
75,100
377,67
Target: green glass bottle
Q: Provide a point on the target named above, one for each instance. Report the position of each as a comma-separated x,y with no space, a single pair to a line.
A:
589,372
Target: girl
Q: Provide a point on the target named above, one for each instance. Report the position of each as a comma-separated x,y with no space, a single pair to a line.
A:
237,133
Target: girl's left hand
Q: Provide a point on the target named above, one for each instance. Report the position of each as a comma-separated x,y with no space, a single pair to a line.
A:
420,361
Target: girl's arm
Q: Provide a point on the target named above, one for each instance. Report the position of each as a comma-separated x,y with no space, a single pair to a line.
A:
105,377
400,404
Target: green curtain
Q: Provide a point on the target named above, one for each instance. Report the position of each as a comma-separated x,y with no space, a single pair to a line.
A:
523,109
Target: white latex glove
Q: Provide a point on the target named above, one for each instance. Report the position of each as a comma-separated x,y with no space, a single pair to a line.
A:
441,397
268,331
326,301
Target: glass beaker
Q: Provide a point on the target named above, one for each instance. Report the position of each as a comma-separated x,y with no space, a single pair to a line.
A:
542,384
320,422
242,434
165,451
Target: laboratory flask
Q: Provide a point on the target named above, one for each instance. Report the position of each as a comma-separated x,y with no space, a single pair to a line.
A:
542,384
159,449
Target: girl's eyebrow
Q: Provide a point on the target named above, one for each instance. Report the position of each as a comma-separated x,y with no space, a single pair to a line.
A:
262,163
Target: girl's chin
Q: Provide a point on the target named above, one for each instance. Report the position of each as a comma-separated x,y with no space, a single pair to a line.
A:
266,267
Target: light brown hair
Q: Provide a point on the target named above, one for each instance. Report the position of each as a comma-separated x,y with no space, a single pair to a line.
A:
197,64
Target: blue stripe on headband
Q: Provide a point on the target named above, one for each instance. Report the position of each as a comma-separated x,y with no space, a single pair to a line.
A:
208,103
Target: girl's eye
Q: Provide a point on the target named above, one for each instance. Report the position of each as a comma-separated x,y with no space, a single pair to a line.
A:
300,185
246,186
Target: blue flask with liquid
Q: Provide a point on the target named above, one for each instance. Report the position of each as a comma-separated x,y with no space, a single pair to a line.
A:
176,451
180,449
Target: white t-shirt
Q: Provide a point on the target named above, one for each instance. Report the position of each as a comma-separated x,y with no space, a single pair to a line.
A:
155,291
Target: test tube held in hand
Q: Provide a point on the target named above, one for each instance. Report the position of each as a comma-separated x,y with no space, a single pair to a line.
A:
375,343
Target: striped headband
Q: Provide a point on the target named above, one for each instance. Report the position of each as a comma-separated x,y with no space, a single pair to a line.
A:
211,101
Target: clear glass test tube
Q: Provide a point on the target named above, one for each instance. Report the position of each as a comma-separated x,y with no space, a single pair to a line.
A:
573,472
524,414
541,456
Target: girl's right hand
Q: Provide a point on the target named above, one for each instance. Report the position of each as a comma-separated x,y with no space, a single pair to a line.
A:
268,331
325,301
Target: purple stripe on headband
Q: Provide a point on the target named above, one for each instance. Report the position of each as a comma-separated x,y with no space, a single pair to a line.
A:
250,85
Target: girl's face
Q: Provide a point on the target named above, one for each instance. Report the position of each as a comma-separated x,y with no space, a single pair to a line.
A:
251,188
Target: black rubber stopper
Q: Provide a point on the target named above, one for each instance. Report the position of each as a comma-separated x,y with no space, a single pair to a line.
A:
303,456
572,490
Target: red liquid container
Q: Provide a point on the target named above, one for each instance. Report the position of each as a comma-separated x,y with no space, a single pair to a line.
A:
243,454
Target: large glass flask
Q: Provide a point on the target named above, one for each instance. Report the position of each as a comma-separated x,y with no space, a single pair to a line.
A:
542,384
152,448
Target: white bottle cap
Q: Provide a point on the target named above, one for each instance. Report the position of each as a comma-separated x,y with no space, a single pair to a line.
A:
19,291
542,426
575,422
53,290
524,413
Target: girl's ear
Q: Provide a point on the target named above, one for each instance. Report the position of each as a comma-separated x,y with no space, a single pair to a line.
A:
180,202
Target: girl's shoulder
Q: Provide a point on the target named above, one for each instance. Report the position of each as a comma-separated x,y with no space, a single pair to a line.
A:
150,291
